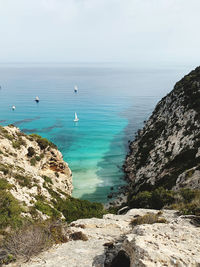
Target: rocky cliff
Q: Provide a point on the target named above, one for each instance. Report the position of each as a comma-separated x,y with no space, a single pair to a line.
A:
166,152
33,171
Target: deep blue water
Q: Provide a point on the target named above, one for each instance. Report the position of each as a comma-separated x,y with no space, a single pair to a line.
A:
112,103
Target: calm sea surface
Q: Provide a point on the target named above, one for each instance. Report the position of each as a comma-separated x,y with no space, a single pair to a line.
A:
112,103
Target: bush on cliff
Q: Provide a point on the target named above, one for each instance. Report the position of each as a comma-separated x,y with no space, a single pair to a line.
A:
31,151
10,209
155,199
74,209
187,201
42,142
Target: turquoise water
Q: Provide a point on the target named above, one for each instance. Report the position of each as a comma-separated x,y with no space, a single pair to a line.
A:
112,103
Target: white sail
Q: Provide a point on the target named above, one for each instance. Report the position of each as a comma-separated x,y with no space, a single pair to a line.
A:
13,107
76,117
37,99
75,88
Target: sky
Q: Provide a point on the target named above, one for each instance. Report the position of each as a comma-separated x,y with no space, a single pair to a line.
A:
135,31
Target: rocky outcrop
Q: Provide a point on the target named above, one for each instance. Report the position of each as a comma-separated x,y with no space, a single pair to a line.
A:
166,152
33,167
174,241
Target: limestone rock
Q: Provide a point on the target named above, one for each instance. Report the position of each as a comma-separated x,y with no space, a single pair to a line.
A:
166,152
175,243
33,166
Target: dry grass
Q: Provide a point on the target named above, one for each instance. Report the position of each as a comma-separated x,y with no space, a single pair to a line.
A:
34,238
27,242
78,236
148,218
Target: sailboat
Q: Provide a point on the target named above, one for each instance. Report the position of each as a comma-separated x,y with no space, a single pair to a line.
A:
75,88
76,118
37,99
13,107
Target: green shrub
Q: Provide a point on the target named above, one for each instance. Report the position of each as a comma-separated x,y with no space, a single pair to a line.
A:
38,158
23,180
192,208
42,142
47,179
3,130
155,199
4,184
31,151
40,197
4,168
18,143
187,201
162,197
141,200
74,209
47,209
187,194
10,210
33,162
8,136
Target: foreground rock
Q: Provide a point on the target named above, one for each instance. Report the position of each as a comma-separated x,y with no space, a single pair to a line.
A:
173,243
166,152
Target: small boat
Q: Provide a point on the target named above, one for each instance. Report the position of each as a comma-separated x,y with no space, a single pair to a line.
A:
13,107
76,118
37,99
75,88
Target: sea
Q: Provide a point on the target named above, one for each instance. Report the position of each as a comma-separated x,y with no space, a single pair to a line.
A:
112,103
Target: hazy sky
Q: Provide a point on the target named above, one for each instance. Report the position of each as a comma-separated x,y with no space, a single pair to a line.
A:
100,30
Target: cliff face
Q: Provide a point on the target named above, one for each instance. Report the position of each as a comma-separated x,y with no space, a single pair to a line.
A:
166,152
34,170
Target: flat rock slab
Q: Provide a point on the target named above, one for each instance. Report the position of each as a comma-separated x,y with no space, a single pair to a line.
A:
175,243
72,254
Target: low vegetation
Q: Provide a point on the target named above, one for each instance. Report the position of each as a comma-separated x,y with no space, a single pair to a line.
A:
17,143
33,162
10,208
32,238
42,142
23,180
25,237
78,236
148,218
187,201
74,209
45,208
31,151
4,168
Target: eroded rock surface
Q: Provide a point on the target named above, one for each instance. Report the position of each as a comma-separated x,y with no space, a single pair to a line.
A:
33,167
166,151
175,243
